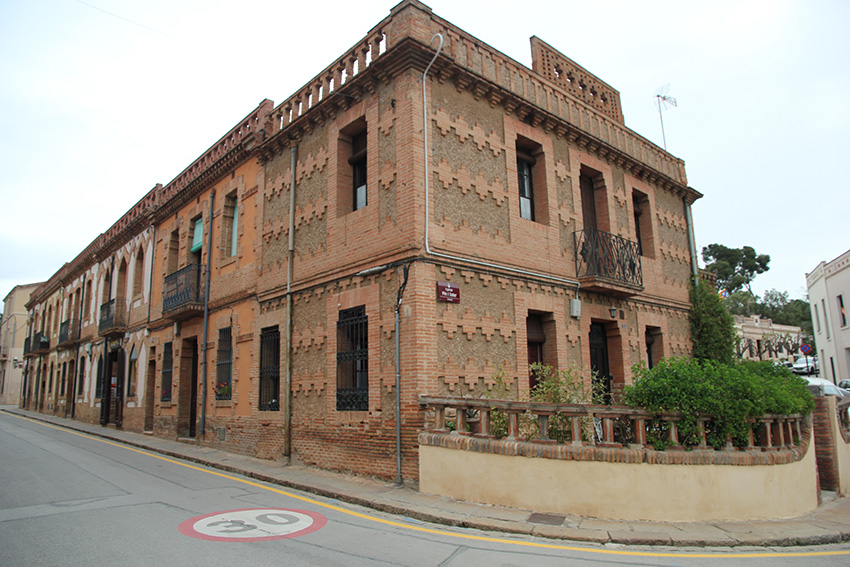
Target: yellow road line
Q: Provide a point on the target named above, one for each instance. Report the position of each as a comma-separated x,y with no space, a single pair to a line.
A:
436,531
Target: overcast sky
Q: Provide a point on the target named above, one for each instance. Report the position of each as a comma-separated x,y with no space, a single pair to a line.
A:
102,99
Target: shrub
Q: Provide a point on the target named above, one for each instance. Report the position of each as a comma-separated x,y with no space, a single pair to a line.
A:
730,393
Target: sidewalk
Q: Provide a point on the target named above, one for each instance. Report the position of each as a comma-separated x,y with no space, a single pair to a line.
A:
830,523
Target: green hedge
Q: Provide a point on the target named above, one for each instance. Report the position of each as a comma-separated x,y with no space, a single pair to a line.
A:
732,393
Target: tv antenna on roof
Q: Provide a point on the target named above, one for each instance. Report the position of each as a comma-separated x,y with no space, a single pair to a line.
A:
664,101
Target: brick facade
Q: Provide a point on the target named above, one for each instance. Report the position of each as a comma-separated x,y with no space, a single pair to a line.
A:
488,118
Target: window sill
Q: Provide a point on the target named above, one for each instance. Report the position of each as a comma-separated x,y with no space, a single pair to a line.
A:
165,404
224,262
223,403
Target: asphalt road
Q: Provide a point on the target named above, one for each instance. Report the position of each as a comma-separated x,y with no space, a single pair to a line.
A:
69,499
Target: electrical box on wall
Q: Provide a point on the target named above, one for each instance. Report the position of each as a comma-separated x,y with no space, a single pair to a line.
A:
575,308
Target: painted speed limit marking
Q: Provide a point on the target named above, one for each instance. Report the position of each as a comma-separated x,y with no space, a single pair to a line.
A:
256,524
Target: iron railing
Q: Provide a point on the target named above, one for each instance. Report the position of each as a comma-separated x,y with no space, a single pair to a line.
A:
69,332
602,254
40,343
352,360
27,348
113,316
270,369
182,287
224,365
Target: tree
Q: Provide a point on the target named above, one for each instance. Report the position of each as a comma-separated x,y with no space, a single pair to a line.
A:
712,327
735,268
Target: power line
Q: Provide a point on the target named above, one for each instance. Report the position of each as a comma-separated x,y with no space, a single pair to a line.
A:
128,20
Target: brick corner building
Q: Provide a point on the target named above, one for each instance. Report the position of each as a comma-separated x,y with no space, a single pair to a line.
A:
425,204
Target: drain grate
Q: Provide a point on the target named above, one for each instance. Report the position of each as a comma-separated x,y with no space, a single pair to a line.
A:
547,519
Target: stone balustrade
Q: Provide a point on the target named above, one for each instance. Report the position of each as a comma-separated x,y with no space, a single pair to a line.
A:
768,433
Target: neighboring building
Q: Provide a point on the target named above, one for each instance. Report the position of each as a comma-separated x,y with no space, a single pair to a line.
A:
829,296
544,231
762,339
13,332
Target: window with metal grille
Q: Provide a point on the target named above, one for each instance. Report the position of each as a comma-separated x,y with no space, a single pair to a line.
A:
167,370
352,360
98,380
270,369
82,375
224,365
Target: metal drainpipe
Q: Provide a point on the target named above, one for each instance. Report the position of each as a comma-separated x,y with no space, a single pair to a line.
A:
691,242
399,478
287,386
206,320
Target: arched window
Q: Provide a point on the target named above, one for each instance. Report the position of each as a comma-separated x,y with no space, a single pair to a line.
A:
132,373
139,272
82,375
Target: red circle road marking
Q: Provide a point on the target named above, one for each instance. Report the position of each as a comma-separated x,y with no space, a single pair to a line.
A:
253,524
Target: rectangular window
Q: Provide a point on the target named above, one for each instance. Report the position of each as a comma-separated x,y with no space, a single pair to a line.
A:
81,376
842,315
531,179
172,251
224,365
270,369
198,235
825,317
643,224
817,316
352,360
132,373
98,379
230,225
526,188
357,160
167,370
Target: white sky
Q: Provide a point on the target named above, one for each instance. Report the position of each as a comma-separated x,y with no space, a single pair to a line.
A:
95,109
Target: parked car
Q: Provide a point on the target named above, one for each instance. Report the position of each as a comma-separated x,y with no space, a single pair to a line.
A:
829,388
806,365
845,384
786,363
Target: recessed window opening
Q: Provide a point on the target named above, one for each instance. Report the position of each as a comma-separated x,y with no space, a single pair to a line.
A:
357,160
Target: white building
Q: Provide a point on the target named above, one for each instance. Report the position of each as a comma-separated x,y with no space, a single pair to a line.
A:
762,339
13,331
829,294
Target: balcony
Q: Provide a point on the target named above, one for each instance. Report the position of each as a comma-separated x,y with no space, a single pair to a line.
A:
69,333
27,349
113,317
40,343
4,353
607,263
182,296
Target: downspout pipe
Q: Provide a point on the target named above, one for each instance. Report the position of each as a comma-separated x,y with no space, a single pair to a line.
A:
399,477
206,320
691,242
425,127
287,386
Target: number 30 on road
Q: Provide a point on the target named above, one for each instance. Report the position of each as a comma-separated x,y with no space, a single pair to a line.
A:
255,524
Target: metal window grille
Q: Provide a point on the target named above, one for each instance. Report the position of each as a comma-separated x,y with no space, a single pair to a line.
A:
352,360
167,371
224,366
82,375
270,369
98,385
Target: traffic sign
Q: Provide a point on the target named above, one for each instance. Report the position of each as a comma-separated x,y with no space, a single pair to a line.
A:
257,524
805,349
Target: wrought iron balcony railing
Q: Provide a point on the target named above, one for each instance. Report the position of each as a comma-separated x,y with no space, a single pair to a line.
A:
182,291
27,349
69,332
40,343
601,254
113,317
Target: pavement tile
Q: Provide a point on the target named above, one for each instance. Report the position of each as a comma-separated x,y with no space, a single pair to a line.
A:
494,525
570,533
630,537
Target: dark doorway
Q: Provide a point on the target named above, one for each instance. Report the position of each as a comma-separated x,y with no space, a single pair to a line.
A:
598,342
150,384
588,201
187,401
536,337
112,397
